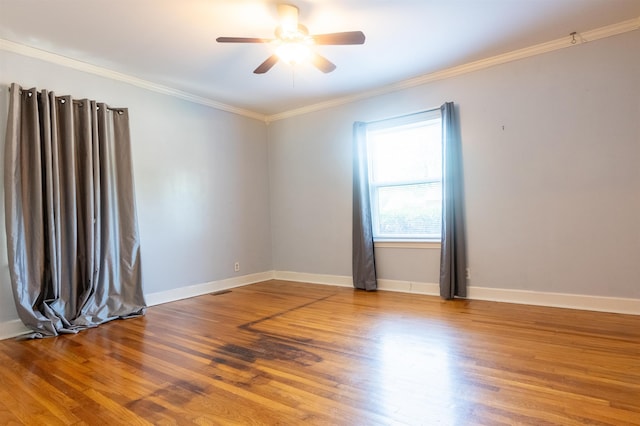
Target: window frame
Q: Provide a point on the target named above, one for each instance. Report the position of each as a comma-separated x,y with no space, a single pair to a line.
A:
400,123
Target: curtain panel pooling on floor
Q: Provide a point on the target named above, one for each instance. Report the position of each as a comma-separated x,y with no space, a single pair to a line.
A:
72,234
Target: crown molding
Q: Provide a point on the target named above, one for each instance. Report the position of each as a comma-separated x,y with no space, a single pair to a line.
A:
64,61
538,49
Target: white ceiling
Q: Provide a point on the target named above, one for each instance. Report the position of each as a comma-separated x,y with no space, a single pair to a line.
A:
172,42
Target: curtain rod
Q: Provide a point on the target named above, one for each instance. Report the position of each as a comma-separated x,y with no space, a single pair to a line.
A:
118,110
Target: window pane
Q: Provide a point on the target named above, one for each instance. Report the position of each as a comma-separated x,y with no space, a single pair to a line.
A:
408,153
410,210
405,174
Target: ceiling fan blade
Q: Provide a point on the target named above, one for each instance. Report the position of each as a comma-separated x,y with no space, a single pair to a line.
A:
288,15
266,65
322,63
242,40
347,37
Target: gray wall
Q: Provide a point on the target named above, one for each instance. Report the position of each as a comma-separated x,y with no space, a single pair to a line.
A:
201,180
553,198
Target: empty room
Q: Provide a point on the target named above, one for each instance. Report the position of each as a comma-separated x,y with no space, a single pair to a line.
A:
363,212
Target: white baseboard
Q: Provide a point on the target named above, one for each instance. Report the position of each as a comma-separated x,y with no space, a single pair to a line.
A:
12,328
414,287
346,281
161,297
616,305
303,277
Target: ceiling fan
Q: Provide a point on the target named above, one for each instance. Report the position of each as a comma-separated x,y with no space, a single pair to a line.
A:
293,42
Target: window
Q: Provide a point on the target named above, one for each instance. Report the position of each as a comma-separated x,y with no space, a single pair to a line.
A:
405,177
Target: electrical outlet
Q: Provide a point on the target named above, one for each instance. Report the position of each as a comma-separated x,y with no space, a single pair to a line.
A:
236,266
468,274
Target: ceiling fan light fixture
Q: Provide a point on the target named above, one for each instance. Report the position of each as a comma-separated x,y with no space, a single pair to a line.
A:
294,45
293,53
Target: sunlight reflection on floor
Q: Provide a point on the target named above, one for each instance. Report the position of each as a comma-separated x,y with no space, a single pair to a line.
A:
417,375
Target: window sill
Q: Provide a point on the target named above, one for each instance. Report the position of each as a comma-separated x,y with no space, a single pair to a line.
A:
408,244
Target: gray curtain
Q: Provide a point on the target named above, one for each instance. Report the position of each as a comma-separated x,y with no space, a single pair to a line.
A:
453,259
364,265
72,234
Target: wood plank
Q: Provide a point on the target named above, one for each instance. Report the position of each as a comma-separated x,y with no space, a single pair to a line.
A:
288,353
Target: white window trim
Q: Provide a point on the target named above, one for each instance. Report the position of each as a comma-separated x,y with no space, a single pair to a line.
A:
412,244
413,241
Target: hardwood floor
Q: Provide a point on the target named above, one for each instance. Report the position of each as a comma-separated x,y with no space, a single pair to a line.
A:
282,353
